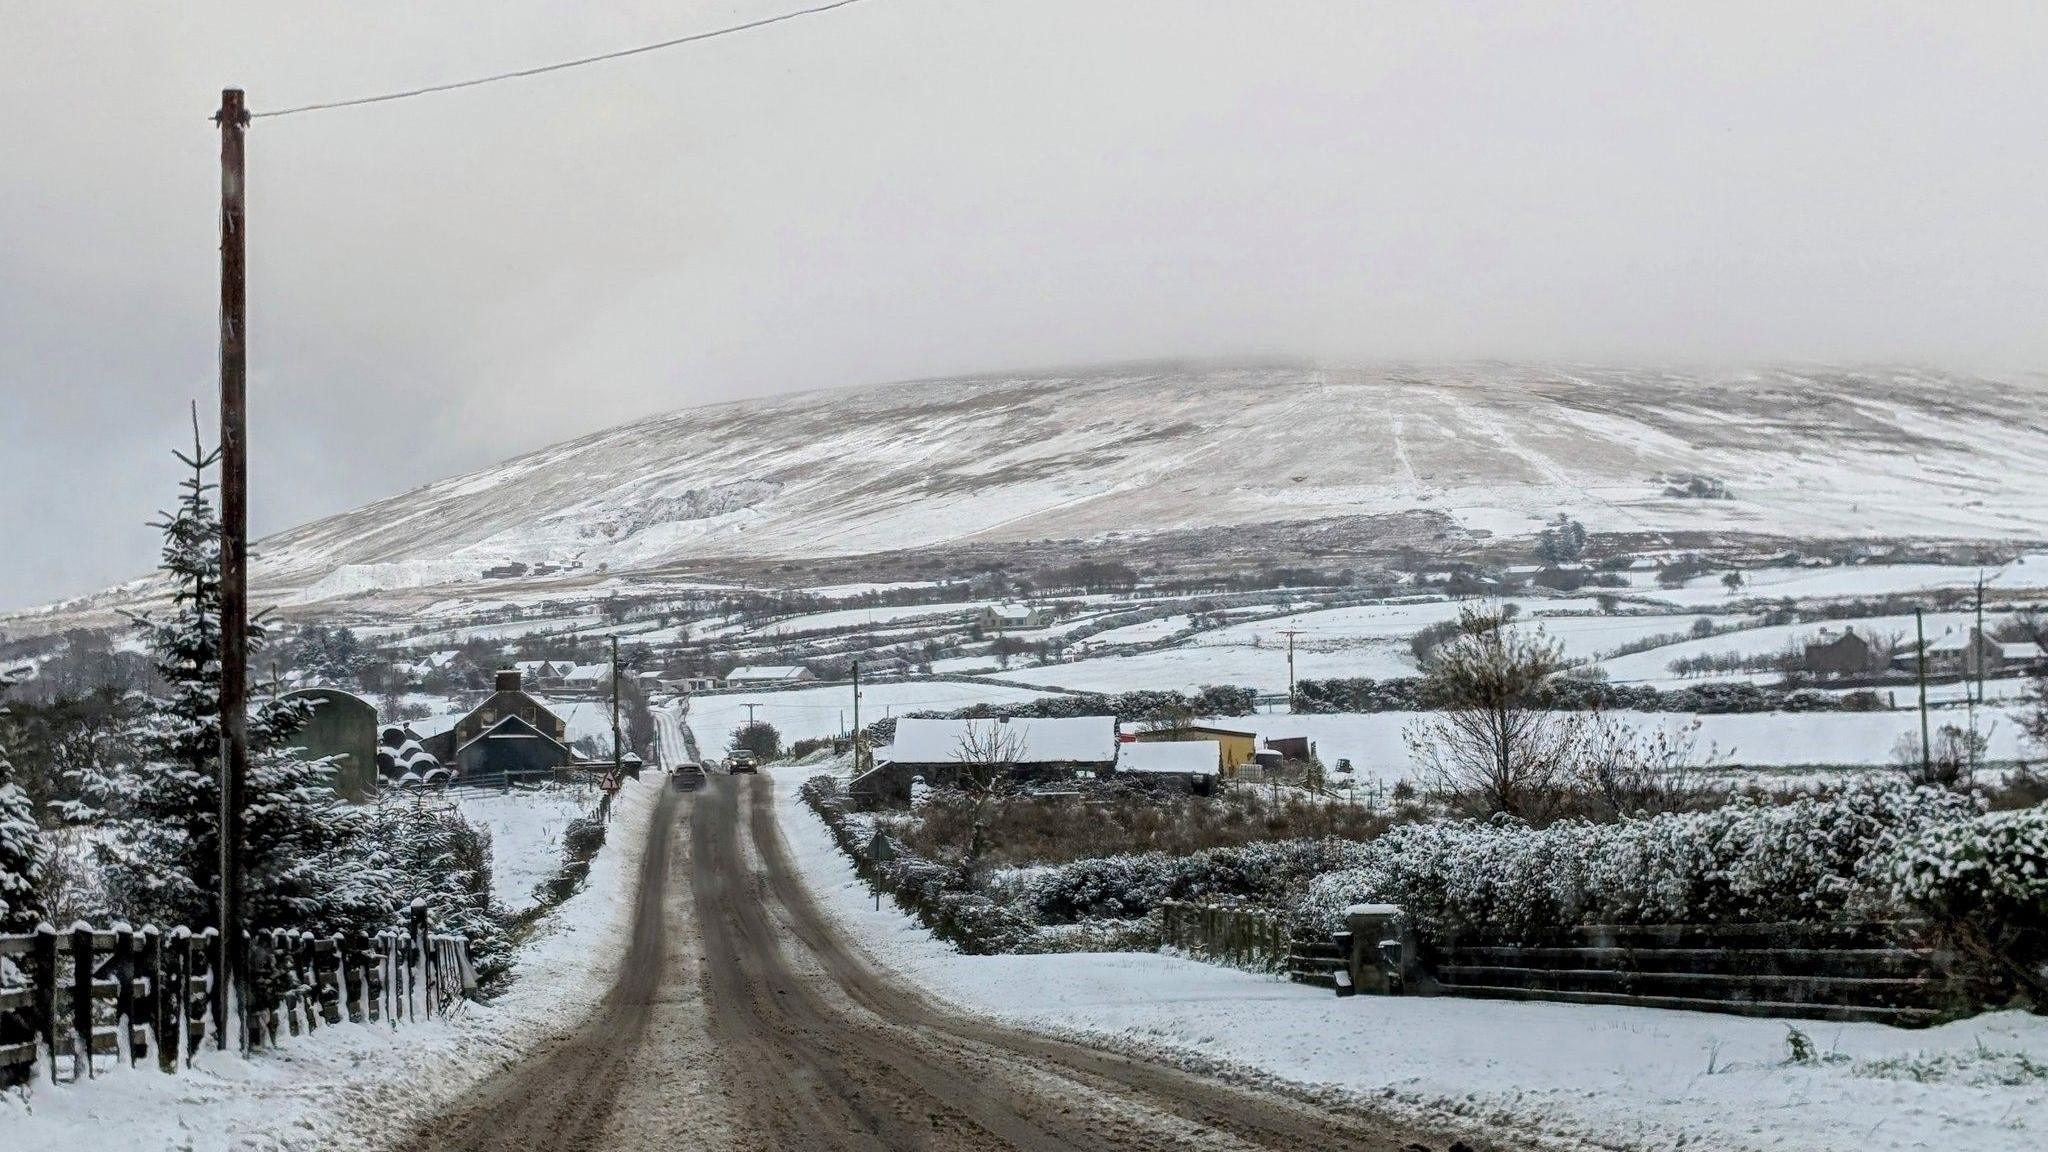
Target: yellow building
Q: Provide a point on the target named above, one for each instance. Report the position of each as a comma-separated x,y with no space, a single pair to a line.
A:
1237,746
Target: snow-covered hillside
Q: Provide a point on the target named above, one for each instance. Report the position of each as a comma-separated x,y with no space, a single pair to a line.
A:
1493,448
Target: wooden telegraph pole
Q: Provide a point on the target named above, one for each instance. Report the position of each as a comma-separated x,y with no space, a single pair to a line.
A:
1290,633
615,707
1920,644
228,992
856,721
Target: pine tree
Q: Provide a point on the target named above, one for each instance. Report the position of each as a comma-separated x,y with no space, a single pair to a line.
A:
164,863
20,849
436,855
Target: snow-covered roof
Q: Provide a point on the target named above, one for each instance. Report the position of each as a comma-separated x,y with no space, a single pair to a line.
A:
1188,757
1012,611
758,672
587,673
1068,740
2020,650
511,728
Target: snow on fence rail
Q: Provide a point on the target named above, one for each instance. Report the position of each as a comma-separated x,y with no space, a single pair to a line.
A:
66,997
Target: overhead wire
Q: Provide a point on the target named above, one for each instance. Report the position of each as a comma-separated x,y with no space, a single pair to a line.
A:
558,66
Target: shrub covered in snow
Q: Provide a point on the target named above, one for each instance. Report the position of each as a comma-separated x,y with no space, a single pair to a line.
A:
1125,887
1819,857
1985,883
935,894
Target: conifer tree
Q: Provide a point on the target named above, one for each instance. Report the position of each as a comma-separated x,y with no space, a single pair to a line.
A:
20,849
164,863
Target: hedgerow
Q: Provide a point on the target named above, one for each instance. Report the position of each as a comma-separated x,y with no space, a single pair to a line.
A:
1824,856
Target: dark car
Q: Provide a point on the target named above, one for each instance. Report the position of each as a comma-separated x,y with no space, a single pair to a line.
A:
742,761
686,777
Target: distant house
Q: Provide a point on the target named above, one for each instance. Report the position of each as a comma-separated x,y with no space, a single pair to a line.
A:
543,671
762,675
586,678
511,733
689,684
1965,653
1190,764
1014,616
1235,744
1837,654
1035,749
512,748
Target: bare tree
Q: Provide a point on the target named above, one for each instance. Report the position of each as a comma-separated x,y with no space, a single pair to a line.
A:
1951,760
1489,749
987,754
1628,771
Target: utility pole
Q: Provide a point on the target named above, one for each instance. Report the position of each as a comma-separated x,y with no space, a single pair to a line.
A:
1290,633
615,706
228,991
1926,749
750,706
856,720
1977,654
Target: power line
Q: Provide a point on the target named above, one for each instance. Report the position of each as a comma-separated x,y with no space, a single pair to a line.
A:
555,67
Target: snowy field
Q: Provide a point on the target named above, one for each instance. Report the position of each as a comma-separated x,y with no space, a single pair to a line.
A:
2027,573
526,828
812,713
1579,1077
353,1088
1372,741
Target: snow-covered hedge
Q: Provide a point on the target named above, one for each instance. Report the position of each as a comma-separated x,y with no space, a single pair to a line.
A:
1985,882
1415,694
1126,887
1820,857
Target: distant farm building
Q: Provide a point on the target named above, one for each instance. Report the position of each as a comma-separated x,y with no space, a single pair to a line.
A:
510,734
1010,616
344,726
1236,745
1190,764
1841,653
1972,653
1025,750
767,675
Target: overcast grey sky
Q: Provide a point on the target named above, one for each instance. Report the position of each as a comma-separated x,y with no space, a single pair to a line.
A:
921,187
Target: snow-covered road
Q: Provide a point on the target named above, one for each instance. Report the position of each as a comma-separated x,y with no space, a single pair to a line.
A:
1594,1077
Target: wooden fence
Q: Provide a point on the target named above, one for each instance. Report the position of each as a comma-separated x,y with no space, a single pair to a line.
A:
66,997
1240,936
1879,971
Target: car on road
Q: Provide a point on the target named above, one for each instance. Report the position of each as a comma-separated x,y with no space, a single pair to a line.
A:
686,777
741,762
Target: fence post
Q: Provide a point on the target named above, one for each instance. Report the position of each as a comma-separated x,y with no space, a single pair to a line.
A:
212,947
81,1001
124,990
333,1007
163,1047
45,954
420,958
152,1003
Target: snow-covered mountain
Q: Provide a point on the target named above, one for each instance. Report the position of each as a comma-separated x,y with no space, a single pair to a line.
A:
1493,448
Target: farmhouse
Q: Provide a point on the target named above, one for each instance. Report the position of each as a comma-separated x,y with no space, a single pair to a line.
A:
1235,745
1024,750
511,733
1004,616
762,675
1833,653
1971,653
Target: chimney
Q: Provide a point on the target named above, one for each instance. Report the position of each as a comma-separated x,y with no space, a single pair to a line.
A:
508,680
